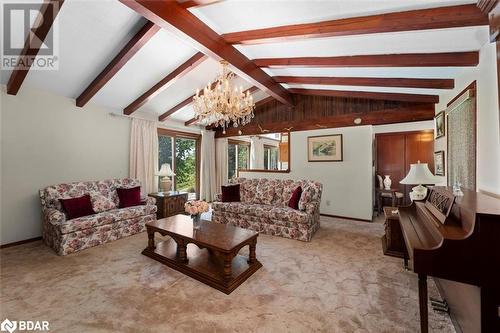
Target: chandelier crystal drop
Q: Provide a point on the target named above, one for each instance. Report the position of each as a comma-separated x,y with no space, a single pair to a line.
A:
219,104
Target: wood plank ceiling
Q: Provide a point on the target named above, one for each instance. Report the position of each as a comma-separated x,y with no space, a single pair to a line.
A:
274,80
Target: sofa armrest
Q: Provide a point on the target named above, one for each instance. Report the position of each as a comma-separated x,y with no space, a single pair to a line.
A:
218,197
148,201
312,207
54,216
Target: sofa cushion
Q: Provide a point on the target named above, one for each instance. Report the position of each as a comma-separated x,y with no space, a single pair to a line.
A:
288,214
264,192
86,222
101,203
77,207
294,200
129,196
231,193
310,193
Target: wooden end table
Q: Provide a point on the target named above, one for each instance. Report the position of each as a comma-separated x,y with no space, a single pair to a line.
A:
393,243
209,254
169,203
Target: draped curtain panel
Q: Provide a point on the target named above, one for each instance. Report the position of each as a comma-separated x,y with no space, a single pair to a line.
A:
462,145
144,154
208,187
221,163
256,153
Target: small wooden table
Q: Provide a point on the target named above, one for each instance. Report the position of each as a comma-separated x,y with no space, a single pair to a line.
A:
169,203
209,254
378,193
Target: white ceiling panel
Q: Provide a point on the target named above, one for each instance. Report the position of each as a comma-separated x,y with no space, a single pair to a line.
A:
91,33
428,41
238,15
160,56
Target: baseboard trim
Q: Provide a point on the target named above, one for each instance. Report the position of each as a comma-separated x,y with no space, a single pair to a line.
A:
346,218
20,242
491,194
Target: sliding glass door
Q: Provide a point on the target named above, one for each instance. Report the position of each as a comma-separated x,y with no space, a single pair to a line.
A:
181,151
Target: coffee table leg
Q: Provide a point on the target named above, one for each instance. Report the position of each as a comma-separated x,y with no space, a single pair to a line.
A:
151,239
228,263
181,251
252,256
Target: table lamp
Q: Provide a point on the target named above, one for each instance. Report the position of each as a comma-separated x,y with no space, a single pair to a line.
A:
165,172
419,174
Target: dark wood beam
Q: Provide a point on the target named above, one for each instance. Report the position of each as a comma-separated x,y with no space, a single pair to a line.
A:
417,98
182,104
197,3
369,81
388,116
128,51
43,24
378,60
251,90
422,19
173,17
167,81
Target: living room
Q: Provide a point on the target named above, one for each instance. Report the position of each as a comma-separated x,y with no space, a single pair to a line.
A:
250,166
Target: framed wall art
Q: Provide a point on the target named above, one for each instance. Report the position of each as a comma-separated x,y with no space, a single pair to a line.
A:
324,148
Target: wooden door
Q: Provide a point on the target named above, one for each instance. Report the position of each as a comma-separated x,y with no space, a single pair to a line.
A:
396,151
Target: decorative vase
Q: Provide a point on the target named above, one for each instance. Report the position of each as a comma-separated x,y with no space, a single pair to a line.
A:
387,182
196,221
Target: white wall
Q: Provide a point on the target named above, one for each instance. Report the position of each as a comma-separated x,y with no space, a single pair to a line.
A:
488,138
347,185
47,140
404,127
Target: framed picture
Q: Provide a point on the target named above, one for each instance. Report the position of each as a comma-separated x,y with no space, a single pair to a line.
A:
324,148
439,122
439,163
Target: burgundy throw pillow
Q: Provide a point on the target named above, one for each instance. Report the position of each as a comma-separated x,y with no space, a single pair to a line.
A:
231,193
129,196
294,200
77,207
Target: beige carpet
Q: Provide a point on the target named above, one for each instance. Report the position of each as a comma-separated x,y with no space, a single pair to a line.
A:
340,282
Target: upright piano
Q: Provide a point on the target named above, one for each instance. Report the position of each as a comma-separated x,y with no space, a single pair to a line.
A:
456,238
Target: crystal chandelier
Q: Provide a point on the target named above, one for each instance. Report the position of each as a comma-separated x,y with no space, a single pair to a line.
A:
220,104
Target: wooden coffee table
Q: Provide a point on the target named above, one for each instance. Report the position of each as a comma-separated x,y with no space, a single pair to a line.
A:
209,254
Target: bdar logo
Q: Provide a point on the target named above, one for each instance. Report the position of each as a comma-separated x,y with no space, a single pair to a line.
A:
9,326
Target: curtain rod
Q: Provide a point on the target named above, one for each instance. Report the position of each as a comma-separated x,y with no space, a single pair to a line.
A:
160,124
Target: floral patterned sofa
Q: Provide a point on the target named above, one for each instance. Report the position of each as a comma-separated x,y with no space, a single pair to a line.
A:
264,207
68,236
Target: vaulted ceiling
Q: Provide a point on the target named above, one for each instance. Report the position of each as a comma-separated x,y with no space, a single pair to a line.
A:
151,56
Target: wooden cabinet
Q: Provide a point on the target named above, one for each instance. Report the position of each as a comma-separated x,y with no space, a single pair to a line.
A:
396,151
169,203
393,243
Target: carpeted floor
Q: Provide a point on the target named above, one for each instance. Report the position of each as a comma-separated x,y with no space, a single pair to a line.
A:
339,282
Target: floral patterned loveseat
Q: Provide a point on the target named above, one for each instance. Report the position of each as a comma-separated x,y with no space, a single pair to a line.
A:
68,236
264,207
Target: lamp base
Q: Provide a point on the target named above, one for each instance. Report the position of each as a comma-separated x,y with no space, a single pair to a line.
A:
418,193
165,184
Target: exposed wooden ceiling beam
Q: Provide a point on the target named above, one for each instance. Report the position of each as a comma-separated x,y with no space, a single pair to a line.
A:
251,90
173,17
182,104
197,3
388,116
422,19
369,81
167,81
35,39
417,98
379,60
127,52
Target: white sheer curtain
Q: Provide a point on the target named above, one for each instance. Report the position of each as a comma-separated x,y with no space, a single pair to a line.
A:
221,162
208,189
256,153
143,162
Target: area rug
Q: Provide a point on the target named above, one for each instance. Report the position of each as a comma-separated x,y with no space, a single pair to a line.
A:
339,282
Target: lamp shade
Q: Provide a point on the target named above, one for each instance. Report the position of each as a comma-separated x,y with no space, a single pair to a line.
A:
165,171
419,174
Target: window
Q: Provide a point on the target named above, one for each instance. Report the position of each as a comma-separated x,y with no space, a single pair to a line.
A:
271,159
238,157
181,151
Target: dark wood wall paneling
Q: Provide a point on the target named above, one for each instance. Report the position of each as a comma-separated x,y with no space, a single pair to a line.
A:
317,112
396,151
